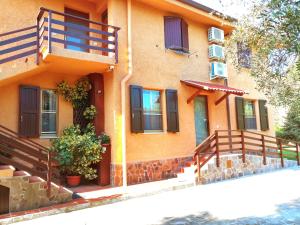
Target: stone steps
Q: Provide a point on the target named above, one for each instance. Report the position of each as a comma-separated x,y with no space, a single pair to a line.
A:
30,192
7,171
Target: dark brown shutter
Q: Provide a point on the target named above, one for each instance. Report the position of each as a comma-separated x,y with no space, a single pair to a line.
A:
172,111
29,111
185,36
239,105
263,114
136,105
173,38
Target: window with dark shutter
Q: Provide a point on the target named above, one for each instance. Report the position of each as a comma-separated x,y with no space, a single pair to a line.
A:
244,55
172,110
239,105
176,34
136,105
29,111
263,114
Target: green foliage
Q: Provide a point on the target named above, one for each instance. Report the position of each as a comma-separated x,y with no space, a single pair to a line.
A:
76,151
76,95
291,128
105,139
90,113
272,31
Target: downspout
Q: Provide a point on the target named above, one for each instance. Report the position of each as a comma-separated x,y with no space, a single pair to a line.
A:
123,94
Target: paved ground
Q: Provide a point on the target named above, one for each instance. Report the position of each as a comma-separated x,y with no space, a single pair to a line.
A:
272,198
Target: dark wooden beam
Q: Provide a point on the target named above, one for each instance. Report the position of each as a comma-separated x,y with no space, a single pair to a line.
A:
222,98
198,92
193,96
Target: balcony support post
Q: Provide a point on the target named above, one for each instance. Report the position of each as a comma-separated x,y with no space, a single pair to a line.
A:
50,31
116,46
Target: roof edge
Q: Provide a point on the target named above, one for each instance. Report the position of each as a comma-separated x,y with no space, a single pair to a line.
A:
208,10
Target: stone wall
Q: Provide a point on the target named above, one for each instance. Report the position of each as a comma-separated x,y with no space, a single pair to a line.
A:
147,171
25,195
232,166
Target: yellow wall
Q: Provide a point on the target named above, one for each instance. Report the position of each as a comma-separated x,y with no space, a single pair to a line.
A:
9,101
153,67
158,68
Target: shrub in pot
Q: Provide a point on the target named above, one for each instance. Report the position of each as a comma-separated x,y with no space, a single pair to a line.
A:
76,151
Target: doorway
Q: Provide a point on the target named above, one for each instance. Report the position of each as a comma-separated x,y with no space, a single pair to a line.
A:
201,118
77,30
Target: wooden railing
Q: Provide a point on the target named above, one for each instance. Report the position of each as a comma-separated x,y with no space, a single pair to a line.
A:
52,29
18,44
244,142
27,155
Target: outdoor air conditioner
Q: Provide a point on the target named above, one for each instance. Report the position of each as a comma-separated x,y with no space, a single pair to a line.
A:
215,35
218,70
216,52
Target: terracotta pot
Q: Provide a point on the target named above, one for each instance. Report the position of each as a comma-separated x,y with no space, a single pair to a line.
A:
73,181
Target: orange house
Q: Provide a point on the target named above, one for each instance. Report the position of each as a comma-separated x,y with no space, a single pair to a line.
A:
160,82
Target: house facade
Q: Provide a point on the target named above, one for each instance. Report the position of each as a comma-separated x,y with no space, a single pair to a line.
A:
151,78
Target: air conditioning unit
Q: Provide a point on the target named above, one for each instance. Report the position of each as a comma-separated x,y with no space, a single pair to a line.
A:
216,52
215,35
218,70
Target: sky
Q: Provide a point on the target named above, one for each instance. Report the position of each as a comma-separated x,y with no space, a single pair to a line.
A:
234,8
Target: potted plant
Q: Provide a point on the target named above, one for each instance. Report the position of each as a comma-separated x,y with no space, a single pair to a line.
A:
76,151
104,140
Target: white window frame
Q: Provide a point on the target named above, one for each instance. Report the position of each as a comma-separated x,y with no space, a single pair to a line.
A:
154,113
48,134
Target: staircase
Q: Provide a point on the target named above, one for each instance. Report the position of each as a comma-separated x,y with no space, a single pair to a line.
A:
27,169
226,149
27,192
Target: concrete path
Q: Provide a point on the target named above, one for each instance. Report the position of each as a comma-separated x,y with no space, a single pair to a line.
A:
272,198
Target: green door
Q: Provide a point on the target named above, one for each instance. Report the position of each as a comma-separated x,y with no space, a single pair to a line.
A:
201,120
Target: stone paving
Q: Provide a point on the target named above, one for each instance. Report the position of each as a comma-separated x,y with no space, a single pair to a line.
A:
271,198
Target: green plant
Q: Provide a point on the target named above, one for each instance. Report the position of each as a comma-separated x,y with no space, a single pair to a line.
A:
78,94
105,139
77,150
90,113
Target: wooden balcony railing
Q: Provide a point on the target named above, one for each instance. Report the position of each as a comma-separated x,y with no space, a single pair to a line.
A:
244,142
53,29
27,155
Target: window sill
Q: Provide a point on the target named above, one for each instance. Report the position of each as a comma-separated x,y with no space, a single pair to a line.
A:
178,52
153,132
48,137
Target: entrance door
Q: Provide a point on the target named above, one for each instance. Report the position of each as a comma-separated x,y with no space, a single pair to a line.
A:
77,34
201,119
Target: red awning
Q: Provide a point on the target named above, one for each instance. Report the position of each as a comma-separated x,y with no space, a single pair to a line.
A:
213,87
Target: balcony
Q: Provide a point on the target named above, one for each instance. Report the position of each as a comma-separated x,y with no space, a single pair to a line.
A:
59,42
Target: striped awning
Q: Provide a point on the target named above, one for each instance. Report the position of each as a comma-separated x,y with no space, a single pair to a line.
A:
213,87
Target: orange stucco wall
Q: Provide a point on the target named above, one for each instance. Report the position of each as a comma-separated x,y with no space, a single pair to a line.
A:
153,67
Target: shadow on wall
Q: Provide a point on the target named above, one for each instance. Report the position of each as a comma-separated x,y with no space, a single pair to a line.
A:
287,213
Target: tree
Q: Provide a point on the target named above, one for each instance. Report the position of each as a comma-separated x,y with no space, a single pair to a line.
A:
272,31
291,128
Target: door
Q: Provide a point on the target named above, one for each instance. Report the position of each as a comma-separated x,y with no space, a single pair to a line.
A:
201,118
78,33
104,19
29,115
4,200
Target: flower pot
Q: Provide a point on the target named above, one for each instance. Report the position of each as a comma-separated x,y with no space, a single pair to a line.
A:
73,181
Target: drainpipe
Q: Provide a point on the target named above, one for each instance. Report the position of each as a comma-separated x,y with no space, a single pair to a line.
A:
123,93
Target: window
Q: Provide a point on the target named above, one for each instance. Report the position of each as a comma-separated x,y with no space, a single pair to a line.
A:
176,34
244,55
146,110
249,114
152,110
48,113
